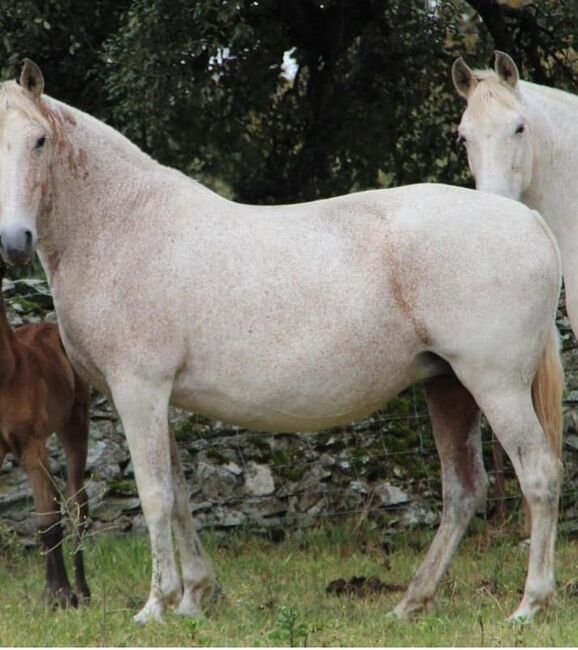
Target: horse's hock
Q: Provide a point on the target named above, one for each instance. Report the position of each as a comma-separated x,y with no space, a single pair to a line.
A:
267,482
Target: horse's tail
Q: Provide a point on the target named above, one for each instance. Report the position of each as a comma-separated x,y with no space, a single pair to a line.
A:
547,389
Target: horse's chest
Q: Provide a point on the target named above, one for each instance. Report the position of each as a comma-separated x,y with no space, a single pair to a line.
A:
81,350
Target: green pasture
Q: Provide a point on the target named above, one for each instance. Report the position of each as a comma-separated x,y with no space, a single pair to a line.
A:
275,594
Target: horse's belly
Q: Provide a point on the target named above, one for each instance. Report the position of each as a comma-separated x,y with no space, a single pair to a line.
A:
306,399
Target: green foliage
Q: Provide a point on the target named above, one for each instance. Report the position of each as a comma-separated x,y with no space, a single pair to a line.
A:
10,544
122,487
215,454
190,428
289,464
199,85
288,630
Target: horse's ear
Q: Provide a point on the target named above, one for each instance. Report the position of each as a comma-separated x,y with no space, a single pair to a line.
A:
506,69
31,79
464,79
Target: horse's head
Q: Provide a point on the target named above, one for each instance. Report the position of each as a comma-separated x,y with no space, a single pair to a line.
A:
25,154
494,128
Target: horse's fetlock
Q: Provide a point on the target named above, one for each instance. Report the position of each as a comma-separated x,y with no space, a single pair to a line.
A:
50,535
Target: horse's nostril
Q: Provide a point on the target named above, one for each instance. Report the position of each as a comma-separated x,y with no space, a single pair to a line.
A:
28,235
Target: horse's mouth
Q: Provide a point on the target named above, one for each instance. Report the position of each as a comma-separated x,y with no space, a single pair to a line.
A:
17,258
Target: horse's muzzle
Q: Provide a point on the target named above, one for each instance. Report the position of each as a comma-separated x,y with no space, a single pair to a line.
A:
17,246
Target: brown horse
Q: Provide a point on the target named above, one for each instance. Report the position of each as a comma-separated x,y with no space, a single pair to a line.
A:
41,393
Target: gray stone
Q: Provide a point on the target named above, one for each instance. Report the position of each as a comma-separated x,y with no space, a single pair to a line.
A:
419,515
359,486
390,495
326,460
233,468
258,480
96,491
312,477
264,508
215,481
229,518
10,497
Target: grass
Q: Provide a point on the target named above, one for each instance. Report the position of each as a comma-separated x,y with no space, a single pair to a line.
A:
274,594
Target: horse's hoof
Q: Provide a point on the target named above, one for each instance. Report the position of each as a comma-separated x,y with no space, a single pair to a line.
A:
518,619
188,609
84,598
194,602
63,598
83,594
152,611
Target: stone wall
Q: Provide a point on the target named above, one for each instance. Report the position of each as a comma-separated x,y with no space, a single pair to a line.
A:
384,467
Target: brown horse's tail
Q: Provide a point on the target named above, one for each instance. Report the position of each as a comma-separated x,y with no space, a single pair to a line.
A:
547,389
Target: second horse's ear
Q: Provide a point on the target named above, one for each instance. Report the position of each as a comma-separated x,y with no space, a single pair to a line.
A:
31,79
463,77
506,69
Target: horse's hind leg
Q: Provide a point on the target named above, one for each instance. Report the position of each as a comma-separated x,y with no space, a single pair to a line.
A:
143,409
3,451
456,426
74,439
198,578
33,458
513,419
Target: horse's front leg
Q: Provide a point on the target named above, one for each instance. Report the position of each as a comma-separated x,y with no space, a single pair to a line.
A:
198,576
143,409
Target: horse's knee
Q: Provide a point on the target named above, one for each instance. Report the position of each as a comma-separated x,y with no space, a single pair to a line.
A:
541,491
539,477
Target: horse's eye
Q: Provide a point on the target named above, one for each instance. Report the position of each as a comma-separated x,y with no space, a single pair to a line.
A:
521,128
40,142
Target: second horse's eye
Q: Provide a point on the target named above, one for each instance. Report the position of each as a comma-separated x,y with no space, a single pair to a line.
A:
521,128
40,142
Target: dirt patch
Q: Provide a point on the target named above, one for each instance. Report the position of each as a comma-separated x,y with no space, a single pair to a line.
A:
361,587
490,585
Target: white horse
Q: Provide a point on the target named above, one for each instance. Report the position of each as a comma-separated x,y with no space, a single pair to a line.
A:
287,318
522,142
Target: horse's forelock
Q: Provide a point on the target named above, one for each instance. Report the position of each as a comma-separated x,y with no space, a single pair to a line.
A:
490,87
12,97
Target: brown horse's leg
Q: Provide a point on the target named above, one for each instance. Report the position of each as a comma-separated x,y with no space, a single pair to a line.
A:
34,460
3,451
74,439
456,425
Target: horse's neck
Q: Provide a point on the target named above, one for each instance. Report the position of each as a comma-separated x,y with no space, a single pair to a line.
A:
97,176
554,190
